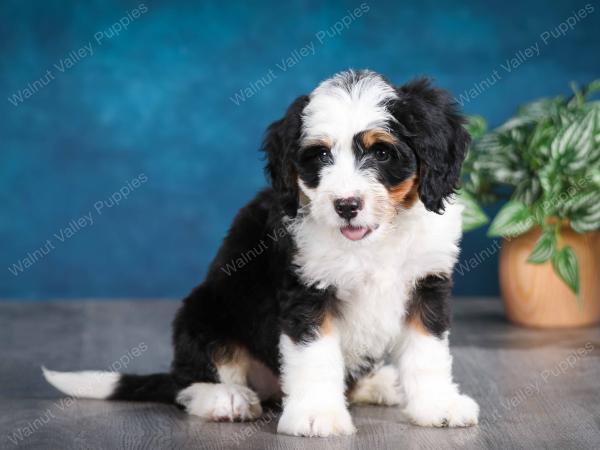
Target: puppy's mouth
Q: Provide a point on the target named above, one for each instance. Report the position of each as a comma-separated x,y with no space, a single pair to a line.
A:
356,233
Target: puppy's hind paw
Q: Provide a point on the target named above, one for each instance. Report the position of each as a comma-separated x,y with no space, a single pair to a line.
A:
220,402
379,388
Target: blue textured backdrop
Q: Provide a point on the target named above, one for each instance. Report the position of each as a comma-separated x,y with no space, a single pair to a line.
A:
108,96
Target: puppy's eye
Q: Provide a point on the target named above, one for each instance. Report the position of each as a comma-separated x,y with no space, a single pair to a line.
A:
324,155
382,154
317,153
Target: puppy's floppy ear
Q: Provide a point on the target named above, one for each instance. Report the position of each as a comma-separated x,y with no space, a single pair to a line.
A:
436,134
281,146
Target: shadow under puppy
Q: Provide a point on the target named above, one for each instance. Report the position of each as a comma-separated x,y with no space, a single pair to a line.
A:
336,278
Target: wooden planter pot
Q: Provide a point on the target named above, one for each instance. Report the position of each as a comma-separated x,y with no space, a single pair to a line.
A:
535,296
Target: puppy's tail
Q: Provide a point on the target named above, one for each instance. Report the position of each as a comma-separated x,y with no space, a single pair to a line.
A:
160,387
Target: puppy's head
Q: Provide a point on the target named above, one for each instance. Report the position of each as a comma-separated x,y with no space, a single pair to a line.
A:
357,151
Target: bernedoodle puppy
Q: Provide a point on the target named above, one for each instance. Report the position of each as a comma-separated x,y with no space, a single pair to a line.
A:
336,278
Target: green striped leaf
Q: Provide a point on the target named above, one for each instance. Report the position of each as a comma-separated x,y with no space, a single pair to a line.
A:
544,248
592,87
513,219
528,191
473,216
566,267
583,211
577,134
476,126
585,225
583,201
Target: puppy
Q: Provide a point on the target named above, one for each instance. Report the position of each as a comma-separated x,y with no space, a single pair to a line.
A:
336,278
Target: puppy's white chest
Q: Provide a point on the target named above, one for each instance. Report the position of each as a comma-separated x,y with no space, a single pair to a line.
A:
371,320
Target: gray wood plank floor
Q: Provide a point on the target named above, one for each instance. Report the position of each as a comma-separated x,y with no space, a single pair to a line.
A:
536,389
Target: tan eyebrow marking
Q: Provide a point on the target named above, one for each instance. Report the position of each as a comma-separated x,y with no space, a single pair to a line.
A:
371,137
326,142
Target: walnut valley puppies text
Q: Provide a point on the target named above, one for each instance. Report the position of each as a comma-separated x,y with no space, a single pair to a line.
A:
78,224
526,53
293,58
76,55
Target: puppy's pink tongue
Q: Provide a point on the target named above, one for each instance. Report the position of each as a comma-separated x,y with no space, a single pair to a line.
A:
354,233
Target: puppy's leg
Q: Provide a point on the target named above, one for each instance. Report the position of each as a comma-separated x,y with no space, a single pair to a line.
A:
312,378
380,387
425,364
211,373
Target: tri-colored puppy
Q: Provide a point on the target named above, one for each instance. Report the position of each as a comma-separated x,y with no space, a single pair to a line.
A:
347,271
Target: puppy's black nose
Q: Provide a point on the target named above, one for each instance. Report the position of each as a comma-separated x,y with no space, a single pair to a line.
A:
347,208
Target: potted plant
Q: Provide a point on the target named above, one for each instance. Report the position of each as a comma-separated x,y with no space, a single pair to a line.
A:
545,162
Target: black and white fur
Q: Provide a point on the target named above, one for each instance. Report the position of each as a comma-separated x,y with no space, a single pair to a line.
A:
347,300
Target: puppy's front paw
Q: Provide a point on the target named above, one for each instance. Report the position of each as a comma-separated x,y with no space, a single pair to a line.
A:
453,410
300,420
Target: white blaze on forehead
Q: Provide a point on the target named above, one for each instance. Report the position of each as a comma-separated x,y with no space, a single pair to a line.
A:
347,104
338,109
